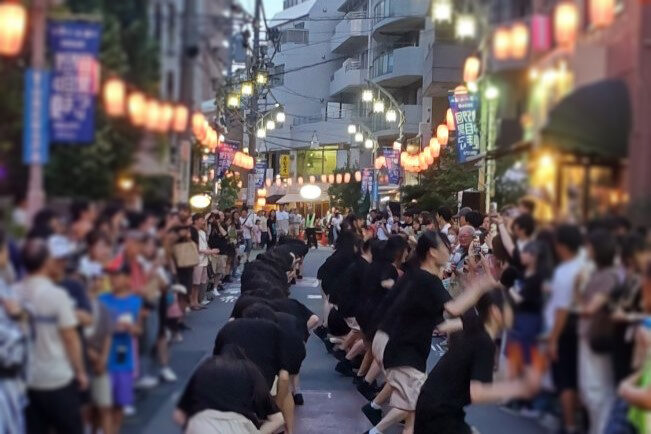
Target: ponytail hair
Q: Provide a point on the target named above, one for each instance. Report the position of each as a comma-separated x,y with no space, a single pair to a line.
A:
430,240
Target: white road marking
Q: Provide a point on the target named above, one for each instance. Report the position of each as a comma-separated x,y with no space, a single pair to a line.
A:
315,296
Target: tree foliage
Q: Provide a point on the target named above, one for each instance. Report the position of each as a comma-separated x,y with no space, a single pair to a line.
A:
440,183
227,193
347,195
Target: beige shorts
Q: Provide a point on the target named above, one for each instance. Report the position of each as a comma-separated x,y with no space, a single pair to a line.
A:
406,382
380,342
219,264
100,391
200,275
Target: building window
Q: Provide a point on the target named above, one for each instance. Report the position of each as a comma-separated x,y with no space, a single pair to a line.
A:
158,22
171,27
383,9
278,75
294,36
383,64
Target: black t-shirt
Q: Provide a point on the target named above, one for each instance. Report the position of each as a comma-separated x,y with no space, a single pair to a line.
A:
351,286
417,310
372,295
295,308
530,288
261,341
447,388
228,385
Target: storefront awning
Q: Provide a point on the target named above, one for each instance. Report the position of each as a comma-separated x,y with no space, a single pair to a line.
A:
594,121
273,199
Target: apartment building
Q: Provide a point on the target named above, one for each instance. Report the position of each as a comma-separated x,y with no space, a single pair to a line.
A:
328,52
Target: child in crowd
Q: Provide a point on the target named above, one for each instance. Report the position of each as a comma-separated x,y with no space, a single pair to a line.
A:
125,311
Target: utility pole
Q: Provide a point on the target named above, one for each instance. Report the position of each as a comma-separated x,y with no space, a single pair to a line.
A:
35,192
253,115
189,51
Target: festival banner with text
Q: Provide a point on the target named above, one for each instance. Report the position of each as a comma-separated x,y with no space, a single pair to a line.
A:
464,108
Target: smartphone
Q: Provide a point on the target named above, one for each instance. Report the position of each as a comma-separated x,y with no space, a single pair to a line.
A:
492,209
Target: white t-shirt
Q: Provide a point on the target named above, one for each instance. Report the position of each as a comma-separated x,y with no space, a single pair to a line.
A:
203,245
282,215
52,310
247,223
562,288
446,227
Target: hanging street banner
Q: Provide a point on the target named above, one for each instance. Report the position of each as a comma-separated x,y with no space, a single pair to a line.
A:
36,143
260,174
75,80
464,108
225,158
367,181
392,158
284,165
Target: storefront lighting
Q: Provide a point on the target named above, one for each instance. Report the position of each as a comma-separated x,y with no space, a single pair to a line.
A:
368,144
367,95
247,89
271,125
359,137
280,117
442,11
310,192
546,161
549,76
534,74
126,183
378,106
261,133
352,129
261,202
391,115
492,93
466,27
233,101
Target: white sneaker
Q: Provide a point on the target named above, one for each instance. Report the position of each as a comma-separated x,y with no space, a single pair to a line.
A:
147,382
204,302
216,293
167,374
129,410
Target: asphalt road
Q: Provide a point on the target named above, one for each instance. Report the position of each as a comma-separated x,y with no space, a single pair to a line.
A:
332,404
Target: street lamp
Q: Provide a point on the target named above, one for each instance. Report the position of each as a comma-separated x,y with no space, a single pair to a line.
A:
280,117
466,27
261,133
359,137
271,125
442,11
368,144
352,129
391,115
367,95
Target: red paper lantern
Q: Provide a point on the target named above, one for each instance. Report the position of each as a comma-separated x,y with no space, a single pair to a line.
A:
166,117
471,69
358,176
435,147
300,180
312,179
339,178
331,179
136,105
237,159
449,120
198,123
519,41
566,23
324,178
114,97
380,162
541,35
428,156
347,178
442,134
152,115
602,12
501,43
13,23
180,123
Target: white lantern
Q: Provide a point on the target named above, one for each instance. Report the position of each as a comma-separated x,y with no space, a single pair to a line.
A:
352,129
391,115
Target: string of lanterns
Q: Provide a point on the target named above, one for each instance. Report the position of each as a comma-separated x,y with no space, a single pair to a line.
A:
339,178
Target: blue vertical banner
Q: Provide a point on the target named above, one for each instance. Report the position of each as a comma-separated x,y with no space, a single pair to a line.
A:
75,80
36,141
367,181
464,108
392,158
225,157
260,174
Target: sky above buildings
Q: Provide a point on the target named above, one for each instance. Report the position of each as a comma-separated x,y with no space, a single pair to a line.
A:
271,7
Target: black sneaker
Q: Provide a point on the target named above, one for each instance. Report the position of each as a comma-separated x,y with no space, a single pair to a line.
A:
339,355
374,416
329,346
357,361
345,369
358,380
321,332
298,399
368,391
